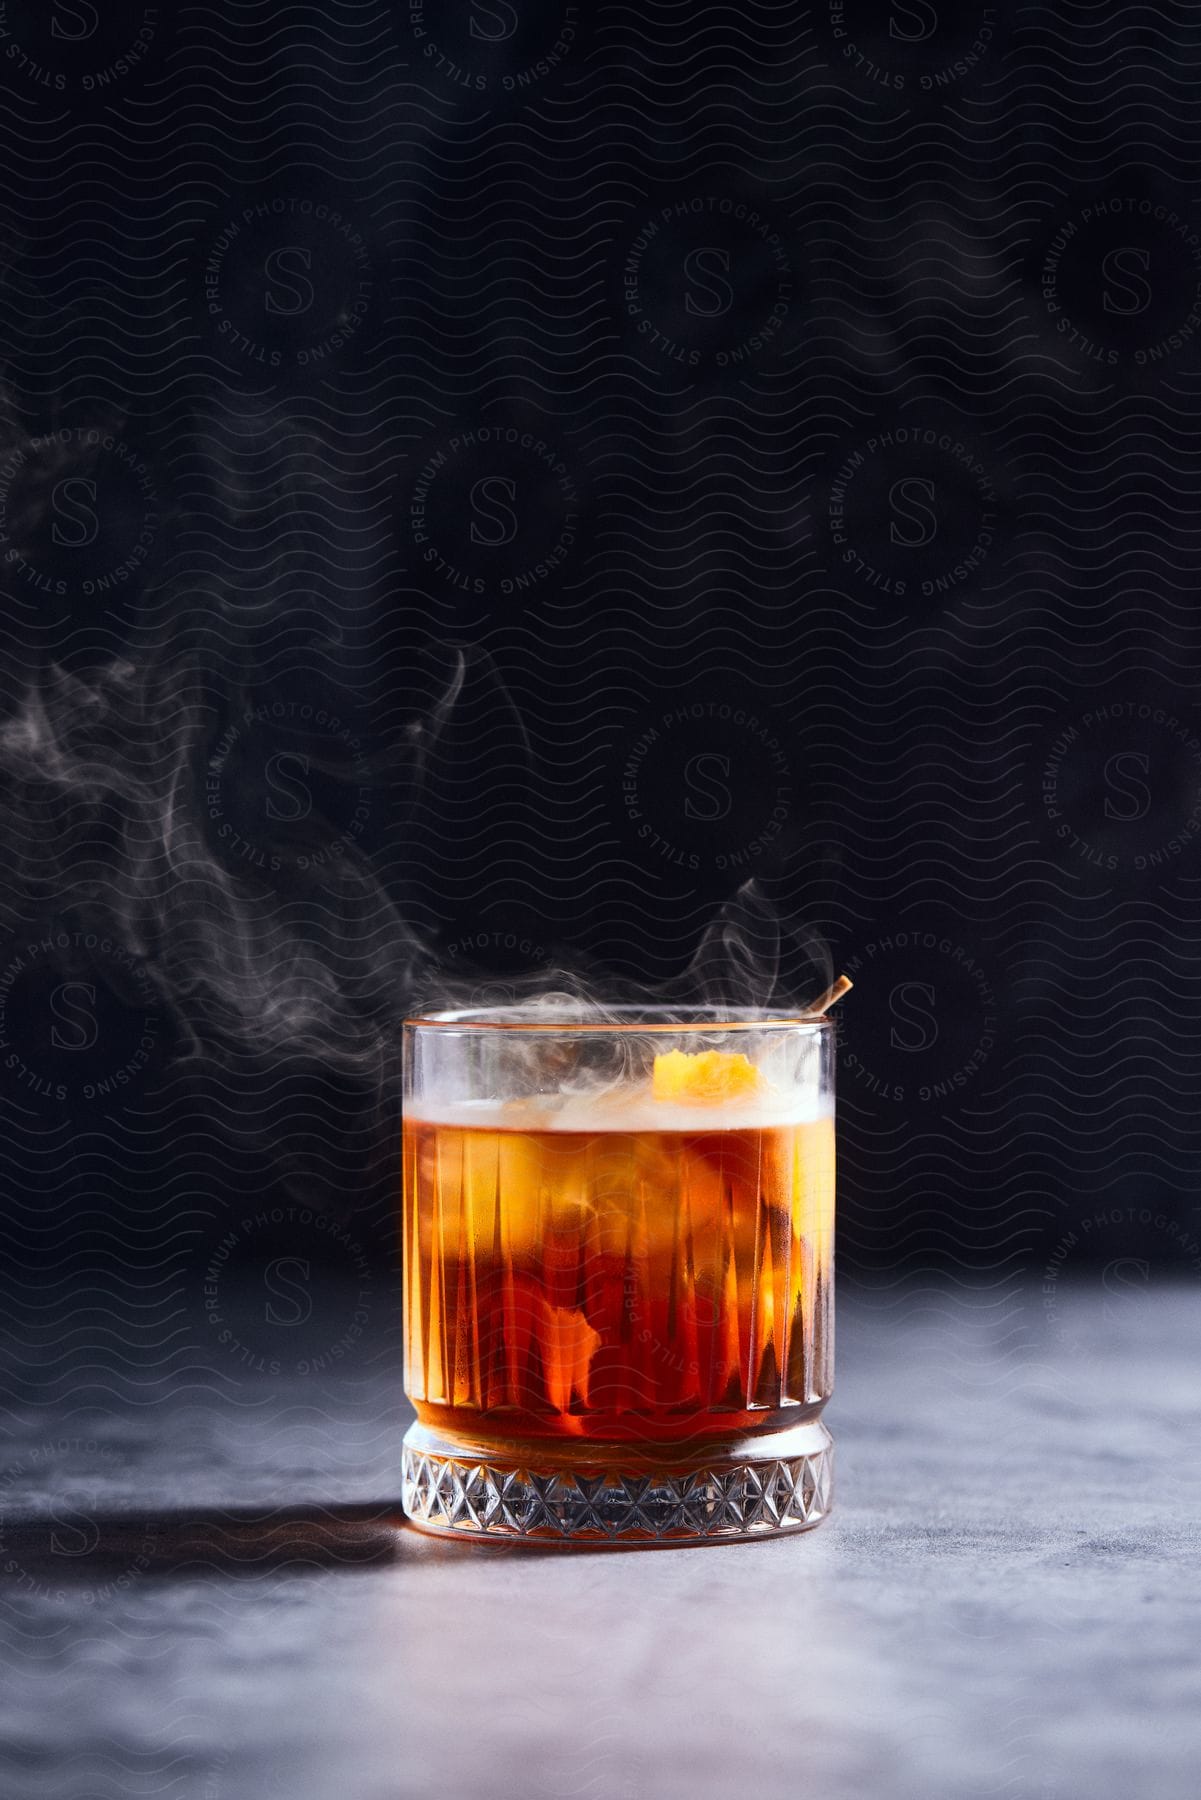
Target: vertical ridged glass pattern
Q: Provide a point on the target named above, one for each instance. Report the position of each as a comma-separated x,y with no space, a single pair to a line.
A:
614,1285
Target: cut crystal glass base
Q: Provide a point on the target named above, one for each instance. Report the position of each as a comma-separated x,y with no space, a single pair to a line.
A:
781,1482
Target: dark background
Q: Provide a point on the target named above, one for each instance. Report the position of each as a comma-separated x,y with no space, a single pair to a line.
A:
481,484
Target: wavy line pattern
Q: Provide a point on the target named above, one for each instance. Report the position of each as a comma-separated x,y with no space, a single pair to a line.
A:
479,486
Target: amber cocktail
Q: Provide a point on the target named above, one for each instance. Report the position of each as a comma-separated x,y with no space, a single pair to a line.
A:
618,1245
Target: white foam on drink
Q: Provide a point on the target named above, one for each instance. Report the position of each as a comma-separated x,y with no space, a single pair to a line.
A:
618,1110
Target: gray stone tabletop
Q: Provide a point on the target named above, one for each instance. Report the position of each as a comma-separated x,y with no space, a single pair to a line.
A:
208,1595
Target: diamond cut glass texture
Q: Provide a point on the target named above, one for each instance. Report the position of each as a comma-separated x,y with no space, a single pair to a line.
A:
752,1499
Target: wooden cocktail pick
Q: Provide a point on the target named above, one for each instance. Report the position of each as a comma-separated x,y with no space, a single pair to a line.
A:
831,997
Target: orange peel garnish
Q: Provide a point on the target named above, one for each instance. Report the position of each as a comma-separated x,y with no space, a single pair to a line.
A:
705,1077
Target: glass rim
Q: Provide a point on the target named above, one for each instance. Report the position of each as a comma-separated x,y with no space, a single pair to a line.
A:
686,1018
